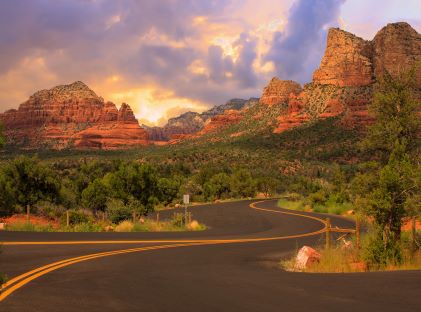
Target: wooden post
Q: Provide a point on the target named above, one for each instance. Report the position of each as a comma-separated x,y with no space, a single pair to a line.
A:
67,218
157,217
28,212
414,234
327,233
357,233
134,216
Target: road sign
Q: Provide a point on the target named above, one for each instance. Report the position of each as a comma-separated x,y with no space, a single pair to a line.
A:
186,199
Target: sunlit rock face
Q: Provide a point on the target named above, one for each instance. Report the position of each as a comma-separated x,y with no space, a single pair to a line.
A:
72,116
343,85
346,62
278,91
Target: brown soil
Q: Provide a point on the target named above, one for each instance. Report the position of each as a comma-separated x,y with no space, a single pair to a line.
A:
21,218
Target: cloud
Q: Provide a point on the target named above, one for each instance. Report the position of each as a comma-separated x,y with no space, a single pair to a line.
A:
159,55
243,68
297,51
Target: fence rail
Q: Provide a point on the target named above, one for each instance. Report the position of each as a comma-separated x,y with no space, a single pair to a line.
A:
330,229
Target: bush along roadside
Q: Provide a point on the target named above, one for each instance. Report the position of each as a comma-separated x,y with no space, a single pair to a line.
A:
121,221
344,257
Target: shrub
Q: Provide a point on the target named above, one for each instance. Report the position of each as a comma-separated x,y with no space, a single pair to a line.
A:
76,217
379,254
125,226
118,211
49,210
178,219
87,227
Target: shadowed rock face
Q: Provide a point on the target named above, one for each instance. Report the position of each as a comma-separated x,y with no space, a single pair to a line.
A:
397,47
72,116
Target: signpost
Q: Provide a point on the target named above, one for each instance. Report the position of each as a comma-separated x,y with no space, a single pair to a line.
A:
186,201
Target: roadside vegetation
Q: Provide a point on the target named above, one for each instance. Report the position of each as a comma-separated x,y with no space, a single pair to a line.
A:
385,192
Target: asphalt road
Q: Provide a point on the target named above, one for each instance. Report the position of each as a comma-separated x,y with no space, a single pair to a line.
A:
219,275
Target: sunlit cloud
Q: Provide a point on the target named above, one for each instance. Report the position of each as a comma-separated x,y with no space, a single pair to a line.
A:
170,56
153,105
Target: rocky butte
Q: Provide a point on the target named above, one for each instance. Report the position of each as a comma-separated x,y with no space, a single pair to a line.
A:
343,84
72,116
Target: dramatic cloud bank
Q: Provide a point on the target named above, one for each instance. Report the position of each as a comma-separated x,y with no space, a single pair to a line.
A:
169,56
297,50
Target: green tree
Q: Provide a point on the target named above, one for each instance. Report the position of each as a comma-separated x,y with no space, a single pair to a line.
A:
95,196
393,137
217,187
25,181
134,181
388,200
267,185
242,184
168,190
395,108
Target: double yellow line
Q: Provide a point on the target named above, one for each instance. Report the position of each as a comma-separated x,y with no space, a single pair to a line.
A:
14,284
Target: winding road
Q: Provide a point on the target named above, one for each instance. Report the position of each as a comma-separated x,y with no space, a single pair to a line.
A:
232,266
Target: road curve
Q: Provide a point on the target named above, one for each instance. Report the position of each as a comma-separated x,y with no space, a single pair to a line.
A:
233,266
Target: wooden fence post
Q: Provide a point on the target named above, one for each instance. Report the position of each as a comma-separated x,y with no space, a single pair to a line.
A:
157,217
134,216
327,233
67,218
414,234
357,233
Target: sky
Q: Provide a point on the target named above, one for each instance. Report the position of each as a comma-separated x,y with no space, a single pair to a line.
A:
166,57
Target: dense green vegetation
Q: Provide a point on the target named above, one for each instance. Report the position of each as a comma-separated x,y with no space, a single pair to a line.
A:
389,190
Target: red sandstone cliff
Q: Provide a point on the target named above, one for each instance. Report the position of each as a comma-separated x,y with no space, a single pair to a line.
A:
72,116
343,84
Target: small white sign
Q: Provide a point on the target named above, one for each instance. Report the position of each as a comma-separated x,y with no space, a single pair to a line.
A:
186,199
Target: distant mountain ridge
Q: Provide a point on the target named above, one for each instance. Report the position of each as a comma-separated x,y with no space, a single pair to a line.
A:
192,122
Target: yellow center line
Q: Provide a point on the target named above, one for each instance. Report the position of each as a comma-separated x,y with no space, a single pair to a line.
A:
21,280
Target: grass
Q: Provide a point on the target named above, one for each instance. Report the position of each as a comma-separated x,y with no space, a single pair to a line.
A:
29,227
148,225
327,207
292,204
153,226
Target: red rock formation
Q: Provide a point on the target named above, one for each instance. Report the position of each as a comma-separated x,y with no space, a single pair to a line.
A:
229,117
397,47
214,124
346,62
72,116
278,91
343,84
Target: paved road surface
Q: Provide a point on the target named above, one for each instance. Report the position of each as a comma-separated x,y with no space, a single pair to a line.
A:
179,275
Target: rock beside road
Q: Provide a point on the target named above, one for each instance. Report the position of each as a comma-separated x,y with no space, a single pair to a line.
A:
306,257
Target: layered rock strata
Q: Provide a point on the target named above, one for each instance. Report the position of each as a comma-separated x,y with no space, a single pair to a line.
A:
69,116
